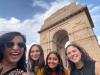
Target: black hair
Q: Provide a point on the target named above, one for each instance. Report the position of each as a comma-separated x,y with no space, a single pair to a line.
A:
4,38
59,69
84,57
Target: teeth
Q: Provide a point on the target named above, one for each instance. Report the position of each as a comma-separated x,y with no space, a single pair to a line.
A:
14,53
74,57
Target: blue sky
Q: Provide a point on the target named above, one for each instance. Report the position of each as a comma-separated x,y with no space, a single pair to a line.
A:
27,16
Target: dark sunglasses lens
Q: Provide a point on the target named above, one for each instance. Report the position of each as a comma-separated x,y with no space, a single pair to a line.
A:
9,44
21,45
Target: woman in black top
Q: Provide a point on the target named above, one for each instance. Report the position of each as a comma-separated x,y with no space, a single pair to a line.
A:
80,62
12,53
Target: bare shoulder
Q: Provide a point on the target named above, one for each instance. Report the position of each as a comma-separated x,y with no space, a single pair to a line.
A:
97,65
25,73
97,68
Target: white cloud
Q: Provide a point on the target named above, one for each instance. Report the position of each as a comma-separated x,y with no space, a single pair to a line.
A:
98,37
95,9
9,25
53,8
56,6
41,4
95,14
12,21
27,27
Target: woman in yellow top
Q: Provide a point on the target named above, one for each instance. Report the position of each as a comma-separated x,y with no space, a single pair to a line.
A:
35,65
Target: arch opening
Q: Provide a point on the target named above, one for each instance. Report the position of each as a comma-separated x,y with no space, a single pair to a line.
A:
60,39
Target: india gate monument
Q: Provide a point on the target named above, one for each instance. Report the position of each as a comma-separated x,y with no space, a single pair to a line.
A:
71,23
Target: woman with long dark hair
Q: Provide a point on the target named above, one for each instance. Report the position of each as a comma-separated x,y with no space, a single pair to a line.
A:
12,53
36,61
80,62
54,65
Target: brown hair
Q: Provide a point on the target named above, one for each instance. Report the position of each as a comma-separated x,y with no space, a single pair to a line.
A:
31,62
84,57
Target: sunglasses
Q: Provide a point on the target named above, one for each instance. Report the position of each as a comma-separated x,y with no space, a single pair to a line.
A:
11,44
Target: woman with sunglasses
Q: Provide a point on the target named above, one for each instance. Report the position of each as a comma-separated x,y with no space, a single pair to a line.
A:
12,53
36,61
80,62
54,65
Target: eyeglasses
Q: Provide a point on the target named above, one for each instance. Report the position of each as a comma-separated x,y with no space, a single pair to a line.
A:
11,44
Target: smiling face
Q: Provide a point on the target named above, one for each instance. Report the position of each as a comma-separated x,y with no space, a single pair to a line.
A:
14,50
73,54
52,61
35,53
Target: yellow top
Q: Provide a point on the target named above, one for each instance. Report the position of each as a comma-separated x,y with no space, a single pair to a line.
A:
67,72
40,71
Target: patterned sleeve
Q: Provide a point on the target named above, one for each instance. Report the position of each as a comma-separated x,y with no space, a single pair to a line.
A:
16,72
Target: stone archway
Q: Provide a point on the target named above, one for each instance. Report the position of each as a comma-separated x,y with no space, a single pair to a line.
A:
73,23
59,40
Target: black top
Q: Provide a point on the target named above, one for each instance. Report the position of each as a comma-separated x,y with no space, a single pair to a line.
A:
87,69
14,71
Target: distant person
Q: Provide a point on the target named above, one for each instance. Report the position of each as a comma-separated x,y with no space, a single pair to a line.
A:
54,65
12,53
80,62
36,61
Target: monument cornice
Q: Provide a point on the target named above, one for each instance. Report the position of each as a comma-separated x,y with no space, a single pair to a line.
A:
71,15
